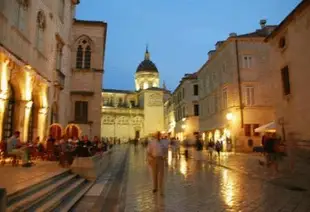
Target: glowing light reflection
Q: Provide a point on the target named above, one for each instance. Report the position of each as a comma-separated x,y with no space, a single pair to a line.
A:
228,192
169,157
183,166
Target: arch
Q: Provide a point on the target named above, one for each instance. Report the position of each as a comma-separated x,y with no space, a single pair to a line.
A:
79,40
73,130
55,130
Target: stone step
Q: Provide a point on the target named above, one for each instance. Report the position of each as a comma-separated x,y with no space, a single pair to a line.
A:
71,203
53,203
38,184
35,198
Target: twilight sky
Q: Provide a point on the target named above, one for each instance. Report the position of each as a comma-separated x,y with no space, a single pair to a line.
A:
179,32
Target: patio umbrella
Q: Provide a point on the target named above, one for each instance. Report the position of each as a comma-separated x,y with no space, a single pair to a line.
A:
270,127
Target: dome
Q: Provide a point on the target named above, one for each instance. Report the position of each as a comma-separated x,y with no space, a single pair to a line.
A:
147,65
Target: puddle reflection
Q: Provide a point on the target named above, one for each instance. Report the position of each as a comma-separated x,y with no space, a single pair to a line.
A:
227,188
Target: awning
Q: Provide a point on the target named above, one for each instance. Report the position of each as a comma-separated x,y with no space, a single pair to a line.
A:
270,127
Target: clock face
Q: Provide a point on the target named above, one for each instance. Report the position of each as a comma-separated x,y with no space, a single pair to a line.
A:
155,100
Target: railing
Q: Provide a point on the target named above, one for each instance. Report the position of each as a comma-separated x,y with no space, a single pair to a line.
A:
59,79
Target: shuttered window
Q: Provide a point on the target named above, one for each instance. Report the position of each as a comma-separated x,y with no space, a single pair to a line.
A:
247,130
81,111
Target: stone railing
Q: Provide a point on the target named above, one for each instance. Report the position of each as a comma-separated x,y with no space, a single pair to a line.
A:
91,167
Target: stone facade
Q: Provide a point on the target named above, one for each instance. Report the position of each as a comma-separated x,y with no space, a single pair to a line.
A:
86,86
35,67
186,108
235,95
129,114
290,67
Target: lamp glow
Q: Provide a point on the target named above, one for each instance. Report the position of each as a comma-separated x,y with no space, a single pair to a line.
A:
229,116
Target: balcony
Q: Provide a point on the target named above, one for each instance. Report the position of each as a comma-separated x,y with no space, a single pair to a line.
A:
59,79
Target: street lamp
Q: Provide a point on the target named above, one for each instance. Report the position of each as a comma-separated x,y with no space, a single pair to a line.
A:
229,116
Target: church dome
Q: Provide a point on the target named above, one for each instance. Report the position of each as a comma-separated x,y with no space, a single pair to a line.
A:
147,65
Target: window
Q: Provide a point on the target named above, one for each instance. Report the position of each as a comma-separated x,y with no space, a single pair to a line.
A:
247,130
286,80
40,31
195,90
196,109
249,96
247,61
79,57
224,98
20,17
81,111
87,58
61,10
183,111
282,43
183,93
59,56
254,127
83,54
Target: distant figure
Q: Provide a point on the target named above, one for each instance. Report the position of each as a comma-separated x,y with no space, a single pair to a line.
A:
210,148
165,143
218,148
199,147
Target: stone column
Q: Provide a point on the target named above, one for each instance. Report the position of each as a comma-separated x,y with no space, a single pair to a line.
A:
42,117
4,89
23,111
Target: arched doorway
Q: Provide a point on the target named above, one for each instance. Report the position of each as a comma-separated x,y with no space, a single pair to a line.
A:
8,122
72,130
55,130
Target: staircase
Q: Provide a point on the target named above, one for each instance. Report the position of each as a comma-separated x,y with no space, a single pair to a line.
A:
58,193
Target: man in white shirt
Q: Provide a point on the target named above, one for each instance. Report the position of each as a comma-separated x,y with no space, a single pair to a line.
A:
155,151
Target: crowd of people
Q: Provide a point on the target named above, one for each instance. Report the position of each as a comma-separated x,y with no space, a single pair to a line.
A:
63,150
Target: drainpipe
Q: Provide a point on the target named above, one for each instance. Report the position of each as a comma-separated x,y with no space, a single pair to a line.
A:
239,85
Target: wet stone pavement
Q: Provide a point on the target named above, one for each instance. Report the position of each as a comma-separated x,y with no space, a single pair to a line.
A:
201,186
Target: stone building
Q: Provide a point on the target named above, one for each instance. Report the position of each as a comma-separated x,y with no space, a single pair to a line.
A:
186,108
88,44
169,116
129,114
235,95
35,67
290,67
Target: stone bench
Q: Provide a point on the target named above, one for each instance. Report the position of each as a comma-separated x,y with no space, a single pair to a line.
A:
91,167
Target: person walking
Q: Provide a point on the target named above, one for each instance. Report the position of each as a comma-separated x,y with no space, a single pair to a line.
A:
210,149
155,152
199,147
218,148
